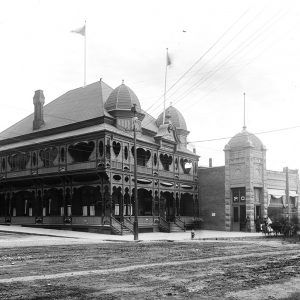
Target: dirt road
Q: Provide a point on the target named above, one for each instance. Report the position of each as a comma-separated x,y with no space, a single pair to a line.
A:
257,269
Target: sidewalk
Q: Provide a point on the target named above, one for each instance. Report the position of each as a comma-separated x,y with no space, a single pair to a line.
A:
39,236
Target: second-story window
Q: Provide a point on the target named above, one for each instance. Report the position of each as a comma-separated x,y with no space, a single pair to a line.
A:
116,148
166,161
126,152
143,156
3,164
18,161
34,160
101,148
48,155
62,154
81,151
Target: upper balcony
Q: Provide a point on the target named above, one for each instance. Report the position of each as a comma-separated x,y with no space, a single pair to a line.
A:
96,155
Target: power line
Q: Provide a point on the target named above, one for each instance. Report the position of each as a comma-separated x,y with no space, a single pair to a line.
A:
203,55
241,47
251,134
229,57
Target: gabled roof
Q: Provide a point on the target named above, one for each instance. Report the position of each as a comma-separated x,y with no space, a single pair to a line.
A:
77,105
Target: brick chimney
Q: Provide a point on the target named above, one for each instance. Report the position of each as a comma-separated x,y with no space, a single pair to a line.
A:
38,102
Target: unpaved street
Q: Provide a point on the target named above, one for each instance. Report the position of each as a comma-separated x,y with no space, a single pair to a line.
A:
249,269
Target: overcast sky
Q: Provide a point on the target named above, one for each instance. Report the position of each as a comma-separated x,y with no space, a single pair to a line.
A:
233,46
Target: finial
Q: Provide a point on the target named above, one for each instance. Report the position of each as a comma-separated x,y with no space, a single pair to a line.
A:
171,103
122,81
101,79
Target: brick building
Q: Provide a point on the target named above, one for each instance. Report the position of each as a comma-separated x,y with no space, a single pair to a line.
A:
244,187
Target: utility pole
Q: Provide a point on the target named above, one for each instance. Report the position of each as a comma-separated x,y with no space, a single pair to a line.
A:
136,206
287,192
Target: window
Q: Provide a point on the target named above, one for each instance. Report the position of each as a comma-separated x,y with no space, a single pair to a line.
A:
293,202
238,194
166,161
126,152
101,148
143,156
62,155
34,159
257,194
3,164
48,156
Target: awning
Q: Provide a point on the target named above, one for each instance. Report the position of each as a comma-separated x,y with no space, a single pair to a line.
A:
276,193
280,193
293,194
186,186
167,184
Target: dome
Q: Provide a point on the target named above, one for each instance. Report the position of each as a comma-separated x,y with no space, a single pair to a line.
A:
245,139
122,98
175,117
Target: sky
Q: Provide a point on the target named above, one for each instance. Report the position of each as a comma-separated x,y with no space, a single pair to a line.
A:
218,49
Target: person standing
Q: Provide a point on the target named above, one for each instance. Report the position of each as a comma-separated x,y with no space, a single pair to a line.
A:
248,227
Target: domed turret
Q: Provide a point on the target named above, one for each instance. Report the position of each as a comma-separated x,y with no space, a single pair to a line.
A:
122,98
175,117
245,139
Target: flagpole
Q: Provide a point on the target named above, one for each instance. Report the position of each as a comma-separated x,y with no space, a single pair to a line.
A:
164,112
84,71
244,127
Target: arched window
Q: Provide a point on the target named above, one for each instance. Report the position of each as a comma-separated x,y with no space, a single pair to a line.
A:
34,160
126,152
3,164
62,154
101,148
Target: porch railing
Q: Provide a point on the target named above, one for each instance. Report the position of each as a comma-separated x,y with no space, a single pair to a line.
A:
116,226
164,225
179,223
128,224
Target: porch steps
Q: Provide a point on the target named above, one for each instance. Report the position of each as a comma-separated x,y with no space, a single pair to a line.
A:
175,228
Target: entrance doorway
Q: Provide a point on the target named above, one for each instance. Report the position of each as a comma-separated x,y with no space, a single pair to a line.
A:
239,218
257,212
167,210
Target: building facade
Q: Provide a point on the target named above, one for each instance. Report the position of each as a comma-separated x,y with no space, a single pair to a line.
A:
244,188
71,163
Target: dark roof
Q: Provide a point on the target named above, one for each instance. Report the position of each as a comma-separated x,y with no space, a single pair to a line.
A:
245,139
81,104
122,98
175,116
77,105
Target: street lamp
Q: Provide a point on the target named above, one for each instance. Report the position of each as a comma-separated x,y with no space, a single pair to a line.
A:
136,206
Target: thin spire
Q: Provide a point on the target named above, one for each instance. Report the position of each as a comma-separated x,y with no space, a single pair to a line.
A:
168,63
84,80
244,127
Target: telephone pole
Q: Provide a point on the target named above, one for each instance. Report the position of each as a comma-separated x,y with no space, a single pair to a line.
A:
136,206
287,192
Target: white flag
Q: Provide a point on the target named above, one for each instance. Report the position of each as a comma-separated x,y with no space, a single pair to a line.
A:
80,30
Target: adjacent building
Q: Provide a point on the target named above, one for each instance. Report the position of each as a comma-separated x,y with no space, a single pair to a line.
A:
245,188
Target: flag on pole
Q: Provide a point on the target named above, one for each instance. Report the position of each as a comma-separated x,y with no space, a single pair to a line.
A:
169,62
80,30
